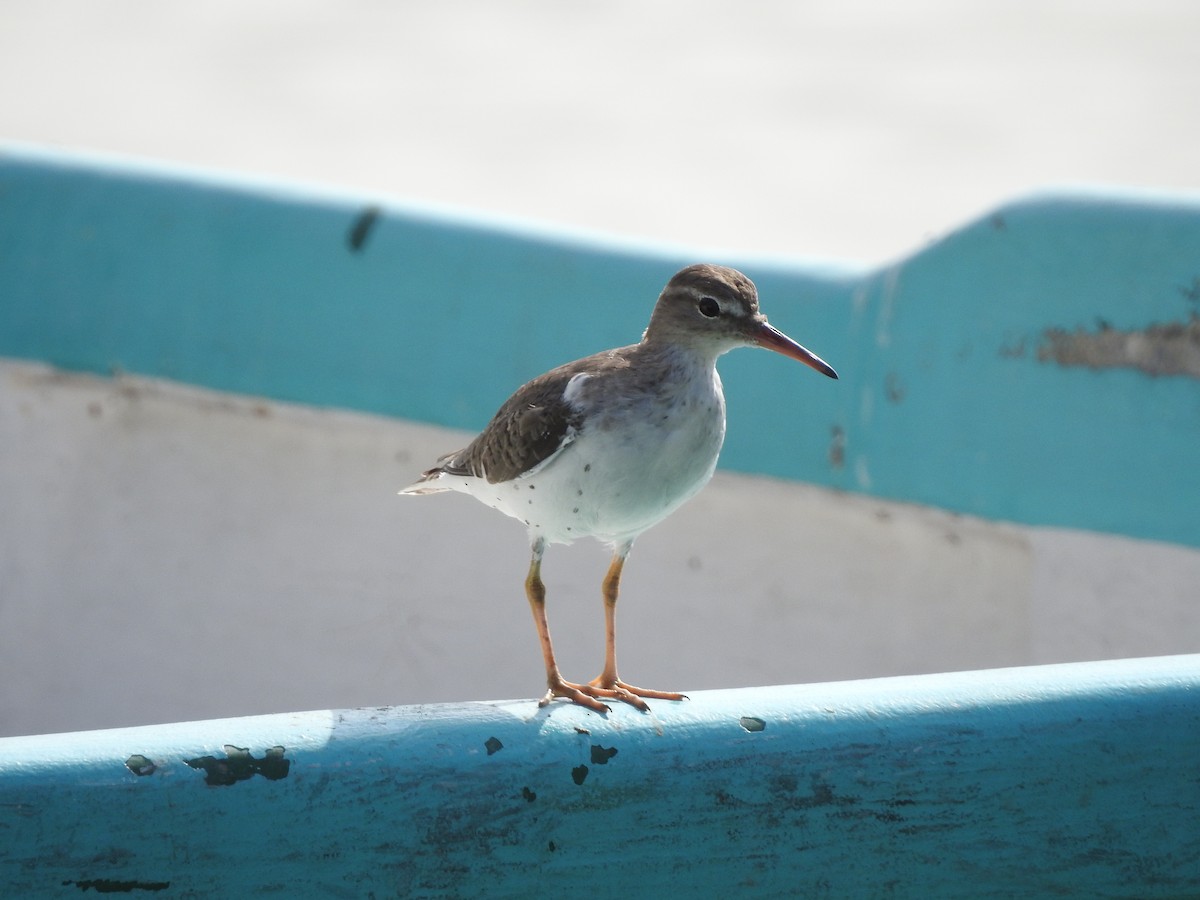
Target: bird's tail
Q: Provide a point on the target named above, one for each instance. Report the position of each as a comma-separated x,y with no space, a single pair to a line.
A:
426,484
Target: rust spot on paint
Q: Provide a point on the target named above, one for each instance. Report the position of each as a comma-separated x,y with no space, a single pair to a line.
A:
579,774
752,723
493,745
240,765
1171,348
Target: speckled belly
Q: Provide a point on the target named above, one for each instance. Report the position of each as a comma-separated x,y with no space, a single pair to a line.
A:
613,483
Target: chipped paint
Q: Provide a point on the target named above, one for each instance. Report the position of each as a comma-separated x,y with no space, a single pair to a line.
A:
1166,349
240,765
140,765
601,755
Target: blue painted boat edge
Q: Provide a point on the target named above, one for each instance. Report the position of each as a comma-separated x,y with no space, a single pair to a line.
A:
1074,777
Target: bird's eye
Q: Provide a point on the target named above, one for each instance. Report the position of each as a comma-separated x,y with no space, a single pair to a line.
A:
709,307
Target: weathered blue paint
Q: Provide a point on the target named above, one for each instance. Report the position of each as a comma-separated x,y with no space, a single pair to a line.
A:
344,301
1081,780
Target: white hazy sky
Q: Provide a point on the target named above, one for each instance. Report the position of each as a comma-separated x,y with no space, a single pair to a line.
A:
845,130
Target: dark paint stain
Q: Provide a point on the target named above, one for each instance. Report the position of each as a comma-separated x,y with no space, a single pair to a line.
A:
361,229
893,388
529,795
820,794
493,745
1170,348
837,447
579,774
601,755
724,798
240,765
553,846
113,886
1191,292
1014,349
140,765
752,723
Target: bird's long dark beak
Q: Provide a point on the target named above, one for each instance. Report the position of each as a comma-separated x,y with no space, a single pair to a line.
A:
767,335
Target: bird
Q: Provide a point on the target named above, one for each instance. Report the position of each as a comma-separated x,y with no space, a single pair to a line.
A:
611,444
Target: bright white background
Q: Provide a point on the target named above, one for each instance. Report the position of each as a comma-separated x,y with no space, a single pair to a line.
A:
854,130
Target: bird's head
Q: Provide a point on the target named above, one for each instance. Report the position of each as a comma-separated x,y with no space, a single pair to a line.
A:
715,309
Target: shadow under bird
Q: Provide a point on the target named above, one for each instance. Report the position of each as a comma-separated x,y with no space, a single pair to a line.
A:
611,444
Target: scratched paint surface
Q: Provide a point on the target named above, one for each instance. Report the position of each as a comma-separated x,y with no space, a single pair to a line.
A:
1080,779
953,391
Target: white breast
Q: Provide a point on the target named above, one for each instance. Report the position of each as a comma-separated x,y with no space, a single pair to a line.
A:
633,462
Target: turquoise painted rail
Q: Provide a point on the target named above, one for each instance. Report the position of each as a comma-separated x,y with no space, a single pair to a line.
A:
1038,365
1079,780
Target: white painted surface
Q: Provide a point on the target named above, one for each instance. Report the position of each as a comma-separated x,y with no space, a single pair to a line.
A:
168,553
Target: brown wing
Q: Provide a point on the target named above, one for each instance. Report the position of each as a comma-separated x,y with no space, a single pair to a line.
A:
526,431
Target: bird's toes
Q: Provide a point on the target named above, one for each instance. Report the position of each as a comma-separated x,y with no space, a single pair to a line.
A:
576,694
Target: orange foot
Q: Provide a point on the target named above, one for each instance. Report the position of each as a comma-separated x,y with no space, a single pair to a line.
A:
590,694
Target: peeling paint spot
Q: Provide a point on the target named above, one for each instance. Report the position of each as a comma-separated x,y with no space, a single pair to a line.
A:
1171,348
579,730
140,765
529,795
579,774
601,755
114,886
361,229
862,474
240,765
752,723
493,744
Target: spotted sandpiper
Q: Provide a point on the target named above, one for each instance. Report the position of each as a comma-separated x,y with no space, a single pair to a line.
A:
611,444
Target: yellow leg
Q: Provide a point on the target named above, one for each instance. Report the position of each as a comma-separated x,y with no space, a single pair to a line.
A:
535,590
609,683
